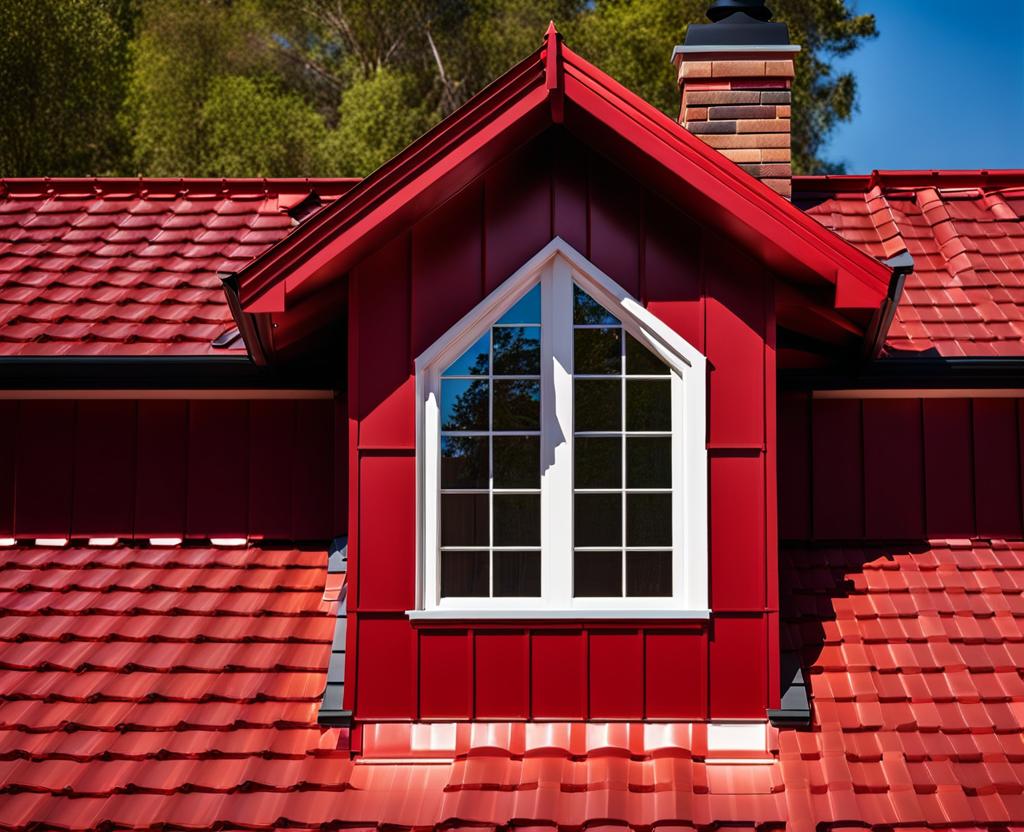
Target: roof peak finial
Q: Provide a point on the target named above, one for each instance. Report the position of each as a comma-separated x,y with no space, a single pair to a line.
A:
722,9
552,31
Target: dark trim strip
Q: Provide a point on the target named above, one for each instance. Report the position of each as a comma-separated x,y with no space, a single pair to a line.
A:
156,373
912,373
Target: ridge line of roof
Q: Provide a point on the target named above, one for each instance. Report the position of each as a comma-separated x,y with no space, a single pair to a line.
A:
100,185
925,177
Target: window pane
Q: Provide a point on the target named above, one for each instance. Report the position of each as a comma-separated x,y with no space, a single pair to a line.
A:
464,462
649,405
526,310
464,575
648,574
648,462
463,405
597,574
516,462
473,362
516,350
640,361
598,462
586,310
517,574
517,519
597,519
648,520
516,405
464,519
598,404
597,351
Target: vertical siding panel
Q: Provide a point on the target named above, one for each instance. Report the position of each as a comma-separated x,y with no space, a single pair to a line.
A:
735,345
570,192
386,669
271,428
996,468
616,674
672,279
161,469
502,674
795,466
387,536
558,675
676,674
893,473
737,668
218,468
45,455
837,472
446,266
8,458
104,492
616,213
737,532
446,674
517,212
312,472
386,406
949,470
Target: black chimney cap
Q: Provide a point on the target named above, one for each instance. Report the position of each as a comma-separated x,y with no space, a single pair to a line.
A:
738,23
756,9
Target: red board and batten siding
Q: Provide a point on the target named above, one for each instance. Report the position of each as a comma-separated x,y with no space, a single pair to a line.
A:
404,297
171,468
900,469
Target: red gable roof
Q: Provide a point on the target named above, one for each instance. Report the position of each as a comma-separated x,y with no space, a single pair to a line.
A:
555,86
965,231
180,687
129,266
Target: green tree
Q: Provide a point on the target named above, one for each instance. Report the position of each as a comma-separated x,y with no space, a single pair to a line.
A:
251,128
377,118
632,39
62,74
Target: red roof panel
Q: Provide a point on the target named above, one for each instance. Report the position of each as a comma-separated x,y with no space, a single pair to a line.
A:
129,267
965,231
125,701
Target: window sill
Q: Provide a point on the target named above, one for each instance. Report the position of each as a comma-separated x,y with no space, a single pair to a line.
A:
558,615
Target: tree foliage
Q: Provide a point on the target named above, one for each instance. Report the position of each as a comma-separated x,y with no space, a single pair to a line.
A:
62,77
332,87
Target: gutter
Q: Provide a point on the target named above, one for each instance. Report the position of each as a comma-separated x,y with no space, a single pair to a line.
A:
247,323
874,339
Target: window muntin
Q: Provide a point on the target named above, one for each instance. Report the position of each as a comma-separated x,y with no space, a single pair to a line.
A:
622,494
635,462
490,461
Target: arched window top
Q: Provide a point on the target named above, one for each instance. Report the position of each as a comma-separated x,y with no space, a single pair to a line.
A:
561,455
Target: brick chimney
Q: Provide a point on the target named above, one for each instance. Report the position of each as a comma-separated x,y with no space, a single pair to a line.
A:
736,75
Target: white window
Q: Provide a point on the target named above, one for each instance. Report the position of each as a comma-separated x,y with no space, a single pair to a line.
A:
561,455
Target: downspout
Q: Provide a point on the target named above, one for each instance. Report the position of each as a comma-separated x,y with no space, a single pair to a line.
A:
874,339
247,324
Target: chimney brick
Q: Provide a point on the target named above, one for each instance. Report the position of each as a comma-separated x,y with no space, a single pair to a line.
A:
740,104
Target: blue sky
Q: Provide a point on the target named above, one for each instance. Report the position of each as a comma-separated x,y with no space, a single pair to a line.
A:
941,87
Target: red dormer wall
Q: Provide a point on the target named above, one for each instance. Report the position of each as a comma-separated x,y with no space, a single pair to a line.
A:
405,296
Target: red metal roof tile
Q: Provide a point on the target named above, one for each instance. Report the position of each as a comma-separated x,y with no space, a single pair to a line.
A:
122,708
139,235
967,237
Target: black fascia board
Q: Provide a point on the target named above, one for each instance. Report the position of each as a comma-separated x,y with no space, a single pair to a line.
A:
157,373
912,373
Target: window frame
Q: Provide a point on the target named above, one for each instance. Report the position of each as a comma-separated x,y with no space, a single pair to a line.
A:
556,268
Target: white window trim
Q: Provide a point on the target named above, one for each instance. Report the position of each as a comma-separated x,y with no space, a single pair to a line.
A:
550,267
